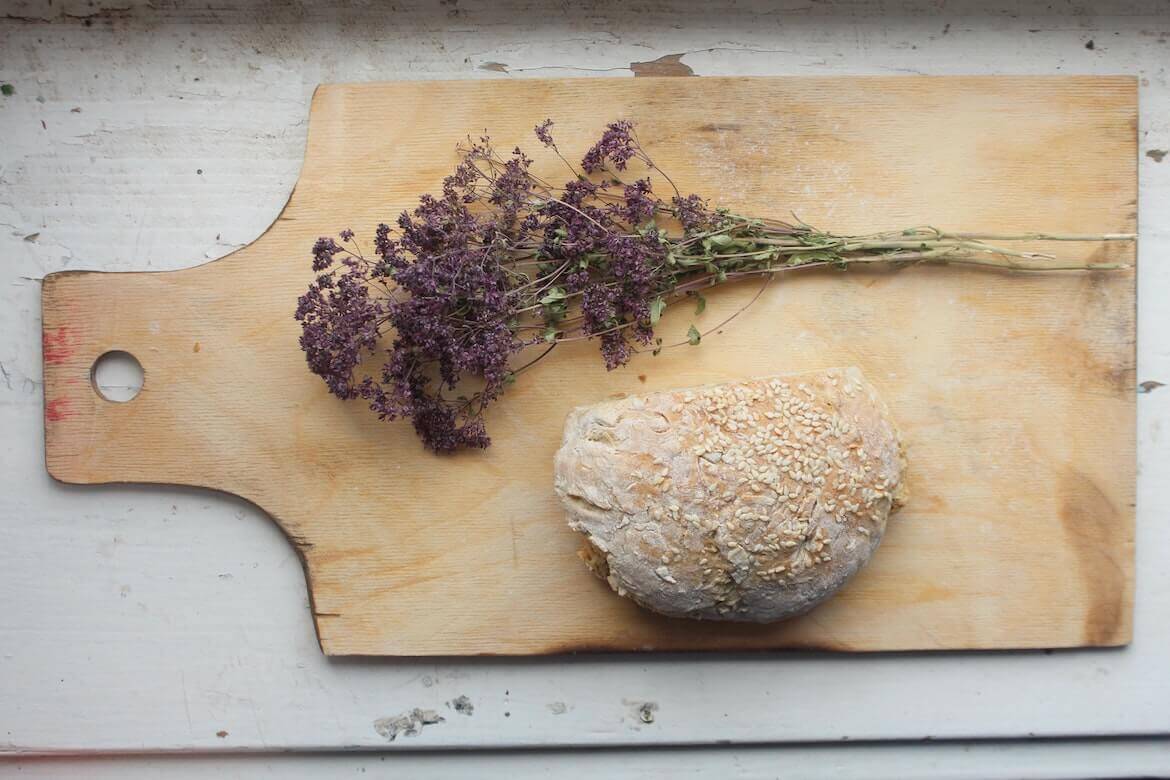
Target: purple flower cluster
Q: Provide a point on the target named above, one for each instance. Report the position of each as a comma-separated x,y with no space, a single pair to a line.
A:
340,323
692,212
616,146
544,133
498,264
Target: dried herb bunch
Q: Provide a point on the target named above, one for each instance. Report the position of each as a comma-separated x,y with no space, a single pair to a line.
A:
502,262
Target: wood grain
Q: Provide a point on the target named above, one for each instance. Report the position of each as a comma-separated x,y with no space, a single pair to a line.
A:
1015,392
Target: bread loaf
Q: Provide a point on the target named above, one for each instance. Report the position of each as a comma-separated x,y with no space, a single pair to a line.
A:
751,500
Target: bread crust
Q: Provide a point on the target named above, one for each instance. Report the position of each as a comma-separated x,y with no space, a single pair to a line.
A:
751,501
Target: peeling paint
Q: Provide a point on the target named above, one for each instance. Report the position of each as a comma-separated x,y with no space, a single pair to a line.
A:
408,724
1150,386
646,710
666,65
462,705
497,67
1157,155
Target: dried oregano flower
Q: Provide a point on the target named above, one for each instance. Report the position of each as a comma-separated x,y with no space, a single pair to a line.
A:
502,262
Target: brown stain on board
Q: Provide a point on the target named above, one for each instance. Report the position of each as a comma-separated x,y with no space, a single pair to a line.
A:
659,633
1088,366
720,127
739,644
929,592
1090,520
414,565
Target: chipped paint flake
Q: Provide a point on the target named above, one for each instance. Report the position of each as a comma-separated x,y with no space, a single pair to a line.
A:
666,65
462,705
409,724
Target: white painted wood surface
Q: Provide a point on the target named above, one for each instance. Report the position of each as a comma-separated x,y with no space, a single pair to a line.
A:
153,619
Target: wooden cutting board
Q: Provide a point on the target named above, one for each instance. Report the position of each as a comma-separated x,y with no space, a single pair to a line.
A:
1015,392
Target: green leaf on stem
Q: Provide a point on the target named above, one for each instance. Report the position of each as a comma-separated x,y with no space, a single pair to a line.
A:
813,256
553,295
554,312
657,306
701,304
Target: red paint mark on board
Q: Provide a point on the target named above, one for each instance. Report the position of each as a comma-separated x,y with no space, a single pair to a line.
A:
58,344
58,409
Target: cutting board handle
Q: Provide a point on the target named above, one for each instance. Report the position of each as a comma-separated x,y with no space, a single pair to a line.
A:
166,321
85,316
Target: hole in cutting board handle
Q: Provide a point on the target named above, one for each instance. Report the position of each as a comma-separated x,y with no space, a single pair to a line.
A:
117,376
